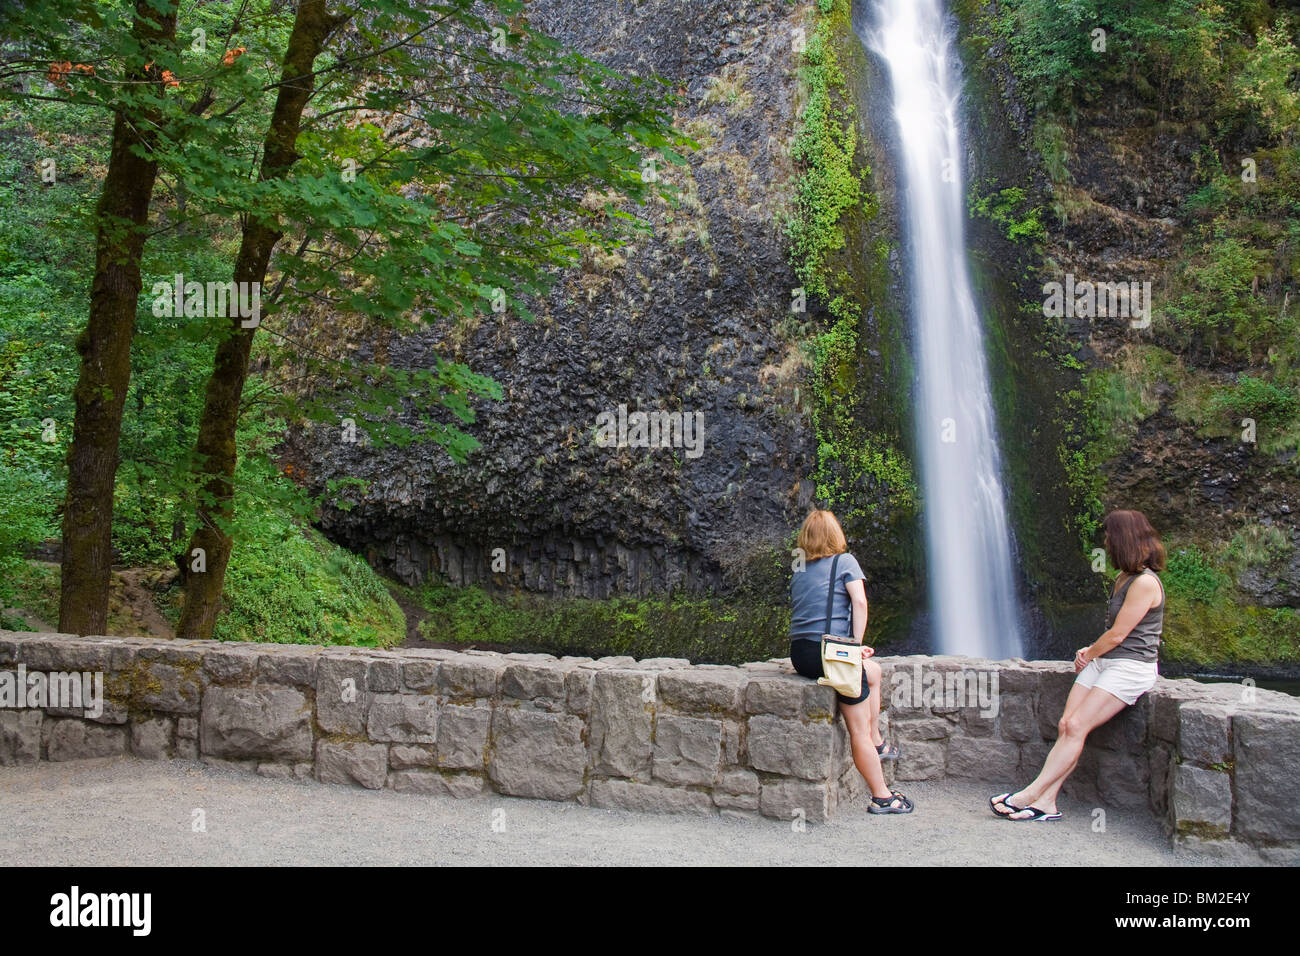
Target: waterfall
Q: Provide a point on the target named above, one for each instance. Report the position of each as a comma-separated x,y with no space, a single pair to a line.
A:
972,582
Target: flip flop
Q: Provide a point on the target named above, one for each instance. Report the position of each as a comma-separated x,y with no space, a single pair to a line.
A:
1040,816
887,752
1002,798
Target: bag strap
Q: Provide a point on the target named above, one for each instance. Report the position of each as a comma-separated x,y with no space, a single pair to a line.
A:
830,595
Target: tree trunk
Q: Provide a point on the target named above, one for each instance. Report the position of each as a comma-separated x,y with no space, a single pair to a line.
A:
216,442
105,349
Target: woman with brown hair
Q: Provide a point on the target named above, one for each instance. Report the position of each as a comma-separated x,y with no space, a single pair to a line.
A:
1114,671
824,549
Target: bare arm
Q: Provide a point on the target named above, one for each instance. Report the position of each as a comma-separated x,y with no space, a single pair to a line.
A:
1143,595
858,598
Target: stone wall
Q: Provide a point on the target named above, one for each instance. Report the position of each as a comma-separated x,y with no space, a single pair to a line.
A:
1215,762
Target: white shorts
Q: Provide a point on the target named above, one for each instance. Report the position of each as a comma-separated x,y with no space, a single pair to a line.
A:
1126,679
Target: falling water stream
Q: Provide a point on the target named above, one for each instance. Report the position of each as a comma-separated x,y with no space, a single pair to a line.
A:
972,581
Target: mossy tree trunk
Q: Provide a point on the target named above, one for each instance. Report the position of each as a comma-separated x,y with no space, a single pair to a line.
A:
105,348
216,449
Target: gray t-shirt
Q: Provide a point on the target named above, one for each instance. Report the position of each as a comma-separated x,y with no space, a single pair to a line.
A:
808,598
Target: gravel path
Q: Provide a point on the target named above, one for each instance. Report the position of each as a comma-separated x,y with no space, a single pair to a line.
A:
137,812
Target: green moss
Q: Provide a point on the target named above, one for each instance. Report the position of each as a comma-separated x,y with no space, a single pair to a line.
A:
840,252
1010,209
703,630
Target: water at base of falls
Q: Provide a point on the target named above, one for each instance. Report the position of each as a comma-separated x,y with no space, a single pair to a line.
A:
968,536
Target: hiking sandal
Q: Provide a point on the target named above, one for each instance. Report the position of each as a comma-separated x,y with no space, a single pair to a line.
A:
897,803
887,752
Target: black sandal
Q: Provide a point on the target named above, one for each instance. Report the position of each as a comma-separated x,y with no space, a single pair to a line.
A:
1039,816
1003,799
904,805
887,752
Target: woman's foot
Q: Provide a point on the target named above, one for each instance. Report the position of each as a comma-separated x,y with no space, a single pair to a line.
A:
887,752
894,803
1034,815
1002,805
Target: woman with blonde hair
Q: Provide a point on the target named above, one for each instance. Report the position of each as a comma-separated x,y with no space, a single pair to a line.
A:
1114,671
824,549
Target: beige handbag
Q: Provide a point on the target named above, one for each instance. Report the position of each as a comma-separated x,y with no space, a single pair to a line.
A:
841,658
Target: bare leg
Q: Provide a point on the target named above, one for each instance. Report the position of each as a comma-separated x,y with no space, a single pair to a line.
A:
1096,707
873,674
865,758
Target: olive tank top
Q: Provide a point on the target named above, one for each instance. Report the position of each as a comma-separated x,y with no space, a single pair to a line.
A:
1143,642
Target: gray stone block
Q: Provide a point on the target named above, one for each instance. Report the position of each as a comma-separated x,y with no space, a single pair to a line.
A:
578,685
536,754
1203,733
457,785
737,782
233,664
151,737
462,736
72,739
1202,797
1016,718
796,800
647,798
20,737
403,718
341,694
411,756
621,723
788,695
296,665
167,687
920,728
471,675
384,675
687,750
286,771
529,681
704,690
791,748
420,674
1267,751
982,758
265,722
363,764
923,760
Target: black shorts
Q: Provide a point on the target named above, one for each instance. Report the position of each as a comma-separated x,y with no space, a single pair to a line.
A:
806,656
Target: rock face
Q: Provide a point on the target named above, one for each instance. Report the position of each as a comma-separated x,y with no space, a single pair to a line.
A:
685,321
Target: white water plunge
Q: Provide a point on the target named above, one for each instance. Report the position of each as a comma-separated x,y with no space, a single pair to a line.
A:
972,583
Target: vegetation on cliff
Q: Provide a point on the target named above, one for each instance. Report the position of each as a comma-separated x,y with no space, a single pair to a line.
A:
1165,133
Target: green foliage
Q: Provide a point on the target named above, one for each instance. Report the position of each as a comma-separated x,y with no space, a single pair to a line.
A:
701,630
289,585
1192,576
1255,546
832,196
831,183
1255,398
1010,209
473,199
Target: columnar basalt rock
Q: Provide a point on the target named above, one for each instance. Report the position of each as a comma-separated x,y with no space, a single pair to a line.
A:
1215,762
